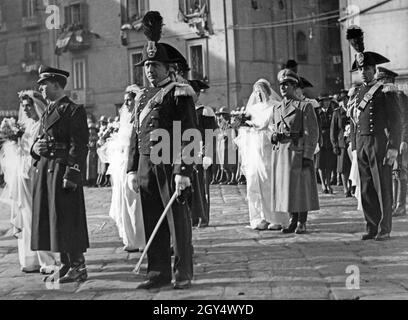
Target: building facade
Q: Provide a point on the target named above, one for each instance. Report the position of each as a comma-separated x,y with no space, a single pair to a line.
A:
385,26
228,43
25,43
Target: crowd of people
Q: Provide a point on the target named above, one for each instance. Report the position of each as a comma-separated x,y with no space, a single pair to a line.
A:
279,144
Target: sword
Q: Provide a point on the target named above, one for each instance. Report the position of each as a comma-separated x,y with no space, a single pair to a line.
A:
156,229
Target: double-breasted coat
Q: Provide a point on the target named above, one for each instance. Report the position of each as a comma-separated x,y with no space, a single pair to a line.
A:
166,109
294,186
59,218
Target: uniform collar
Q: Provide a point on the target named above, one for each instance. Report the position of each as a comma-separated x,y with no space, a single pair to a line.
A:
370,84
163,83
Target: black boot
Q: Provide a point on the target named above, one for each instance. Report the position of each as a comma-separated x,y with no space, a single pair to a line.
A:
77,271
292,223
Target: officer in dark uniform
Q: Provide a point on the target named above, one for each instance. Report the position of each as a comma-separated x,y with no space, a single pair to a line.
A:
200,208
376,135
160,107
325,159
340,141
400,169
59,220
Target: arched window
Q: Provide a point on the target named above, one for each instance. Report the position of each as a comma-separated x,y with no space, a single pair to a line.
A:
301,46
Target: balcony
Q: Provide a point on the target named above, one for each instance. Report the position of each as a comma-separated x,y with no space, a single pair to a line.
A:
30,66
31,22
74,39
82,96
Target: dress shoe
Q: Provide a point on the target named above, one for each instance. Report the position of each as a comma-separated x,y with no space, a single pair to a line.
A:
325,191
30,270
182,285
58,273
348,194
232,183
367,236
263,225
151,284
382,237
301,228
275,227
330,190
75,274
290,229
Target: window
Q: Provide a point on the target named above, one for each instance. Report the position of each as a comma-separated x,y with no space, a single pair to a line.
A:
259,47
32,50
197,59
301,46
79,72
3,53
133,10
192,6
136,73
76,14
29,8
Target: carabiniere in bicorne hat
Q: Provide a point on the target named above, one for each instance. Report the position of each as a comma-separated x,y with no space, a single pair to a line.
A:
355,36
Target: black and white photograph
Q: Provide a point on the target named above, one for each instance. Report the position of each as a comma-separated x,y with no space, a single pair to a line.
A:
203,156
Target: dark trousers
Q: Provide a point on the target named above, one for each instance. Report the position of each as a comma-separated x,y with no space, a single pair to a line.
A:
200,202
153,180
376,183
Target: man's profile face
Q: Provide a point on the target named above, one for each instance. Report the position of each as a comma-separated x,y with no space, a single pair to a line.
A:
48,90
155,71
287,89
367,73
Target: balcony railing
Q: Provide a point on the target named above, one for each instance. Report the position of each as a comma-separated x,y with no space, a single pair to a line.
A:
31,22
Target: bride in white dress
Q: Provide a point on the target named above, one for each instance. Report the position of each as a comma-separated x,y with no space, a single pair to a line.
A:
255,147
125,208
16,162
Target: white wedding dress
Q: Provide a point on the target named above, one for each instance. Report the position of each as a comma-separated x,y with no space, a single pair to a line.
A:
16,162
126,209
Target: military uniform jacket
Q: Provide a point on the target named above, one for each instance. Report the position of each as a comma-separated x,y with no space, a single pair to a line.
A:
381,116
59,221
403,104
337,128
176,105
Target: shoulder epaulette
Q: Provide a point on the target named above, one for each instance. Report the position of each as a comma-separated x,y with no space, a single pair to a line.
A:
184,89
389,87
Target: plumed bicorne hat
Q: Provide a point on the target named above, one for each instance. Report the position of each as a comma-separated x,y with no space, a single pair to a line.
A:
385,73
355,36
154,50
198,85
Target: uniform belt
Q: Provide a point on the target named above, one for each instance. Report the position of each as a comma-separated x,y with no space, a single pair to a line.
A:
288,136
59,146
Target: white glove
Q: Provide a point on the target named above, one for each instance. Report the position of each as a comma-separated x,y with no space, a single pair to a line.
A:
403,147
391,156
132,182
207,162
182,182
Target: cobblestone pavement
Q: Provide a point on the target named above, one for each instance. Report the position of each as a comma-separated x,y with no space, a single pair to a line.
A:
232,261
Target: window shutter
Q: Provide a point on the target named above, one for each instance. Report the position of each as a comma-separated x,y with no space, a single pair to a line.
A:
182,6
84,14
26,50
143,8
25,8
67,16
123,12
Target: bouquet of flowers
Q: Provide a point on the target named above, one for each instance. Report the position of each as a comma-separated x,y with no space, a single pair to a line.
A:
10,129
239,118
